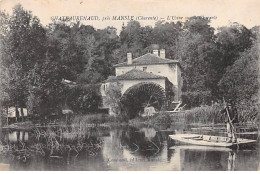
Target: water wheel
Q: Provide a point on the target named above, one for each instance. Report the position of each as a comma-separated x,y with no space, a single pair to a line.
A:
142,95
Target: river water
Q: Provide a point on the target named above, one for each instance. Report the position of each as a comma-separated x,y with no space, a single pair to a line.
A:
127,148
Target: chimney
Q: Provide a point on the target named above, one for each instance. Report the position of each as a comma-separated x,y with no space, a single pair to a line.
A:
162,53
155,52
129,58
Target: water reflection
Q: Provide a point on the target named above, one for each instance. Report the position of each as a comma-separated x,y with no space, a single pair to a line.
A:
16,136
122,148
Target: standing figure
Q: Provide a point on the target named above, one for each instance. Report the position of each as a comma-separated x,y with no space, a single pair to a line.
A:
231,117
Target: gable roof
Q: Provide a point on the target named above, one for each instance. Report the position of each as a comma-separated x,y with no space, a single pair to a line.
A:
148,59
135,74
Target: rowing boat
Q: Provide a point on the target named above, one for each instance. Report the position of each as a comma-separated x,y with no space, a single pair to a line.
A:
207,140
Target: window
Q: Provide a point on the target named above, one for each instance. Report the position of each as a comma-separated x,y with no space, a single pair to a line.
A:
144,68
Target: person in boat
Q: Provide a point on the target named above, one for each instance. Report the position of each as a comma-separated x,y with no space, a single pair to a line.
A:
232,113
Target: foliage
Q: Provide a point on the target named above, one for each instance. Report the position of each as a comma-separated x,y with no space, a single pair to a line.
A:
161,118
84,98
240,80
113,96
86,53
204,114
96,119
196,98
30,63
22,44
240,83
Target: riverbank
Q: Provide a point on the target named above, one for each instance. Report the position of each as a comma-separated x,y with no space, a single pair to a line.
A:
200,116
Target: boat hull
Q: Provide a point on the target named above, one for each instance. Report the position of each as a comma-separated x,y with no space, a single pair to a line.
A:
213,141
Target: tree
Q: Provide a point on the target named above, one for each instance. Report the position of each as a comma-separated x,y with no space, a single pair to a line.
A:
196,52
113,96
240,80
73,53
22,44
45,82
232,40
84,99
166,35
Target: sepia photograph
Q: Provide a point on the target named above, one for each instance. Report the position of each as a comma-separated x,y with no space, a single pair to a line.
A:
120,85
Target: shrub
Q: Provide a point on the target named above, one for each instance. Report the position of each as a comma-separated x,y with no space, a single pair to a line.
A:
84,99
204,114
197,98
83,120
161,118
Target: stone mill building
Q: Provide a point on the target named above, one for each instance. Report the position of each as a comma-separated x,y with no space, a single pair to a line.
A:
150,80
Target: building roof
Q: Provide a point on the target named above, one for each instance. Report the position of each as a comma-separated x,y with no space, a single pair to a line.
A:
135,74
148,59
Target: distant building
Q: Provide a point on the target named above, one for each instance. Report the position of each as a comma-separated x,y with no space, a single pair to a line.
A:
150,73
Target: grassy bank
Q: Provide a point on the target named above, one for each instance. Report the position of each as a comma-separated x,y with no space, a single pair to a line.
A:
198,115
95,119
203,115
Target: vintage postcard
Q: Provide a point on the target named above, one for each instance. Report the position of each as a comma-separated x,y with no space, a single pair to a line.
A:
129,85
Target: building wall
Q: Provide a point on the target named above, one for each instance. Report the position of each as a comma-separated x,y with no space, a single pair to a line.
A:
171,71
129,83
125,85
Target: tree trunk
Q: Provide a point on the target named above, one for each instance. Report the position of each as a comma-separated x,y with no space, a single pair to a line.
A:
7,116
22,114
16,112
23,136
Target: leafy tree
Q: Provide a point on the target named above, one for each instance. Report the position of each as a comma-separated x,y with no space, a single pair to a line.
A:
22,44
113,97
240,80
45,83
72,48
167,36
84,98
196,52
232,40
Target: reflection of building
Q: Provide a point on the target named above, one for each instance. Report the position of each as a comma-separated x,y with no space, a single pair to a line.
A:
152,74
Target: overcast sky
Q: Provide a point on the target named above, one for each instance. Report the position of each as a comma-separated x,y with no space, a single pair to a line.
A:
246,12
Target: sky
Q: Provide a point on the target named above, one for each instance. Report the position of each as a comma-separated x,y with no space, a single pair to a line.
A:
223,12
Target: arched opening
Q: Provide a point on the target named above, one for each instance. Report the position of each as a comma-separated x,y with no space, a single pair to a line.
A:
142,95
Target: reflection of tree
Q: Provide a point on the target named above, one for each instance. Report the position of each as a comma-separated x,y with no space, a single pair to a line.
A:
137,141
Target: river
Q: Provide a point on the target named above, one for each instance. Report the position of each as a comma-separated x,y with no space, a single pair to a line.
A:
127,148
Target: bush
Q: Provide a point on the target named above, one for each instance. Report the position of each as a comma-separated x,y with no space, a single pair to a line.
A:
84,99
248,112
95,119
161,118
197,98
204,114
